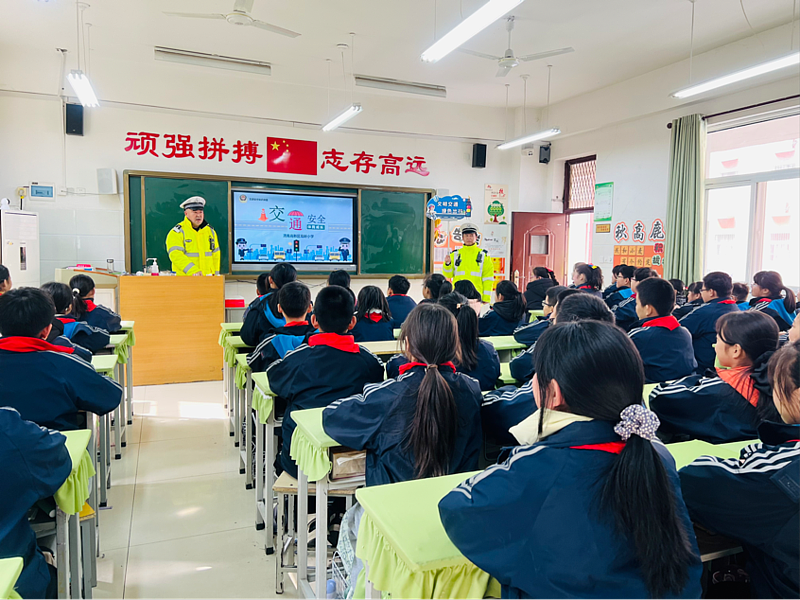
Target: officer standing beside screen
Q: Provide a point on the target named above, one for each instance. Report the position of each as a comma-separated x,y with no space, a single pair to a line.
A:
471,262
192,244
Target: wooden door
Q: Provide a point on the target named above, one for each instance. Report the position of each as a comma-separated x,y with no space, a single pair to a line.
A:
538,240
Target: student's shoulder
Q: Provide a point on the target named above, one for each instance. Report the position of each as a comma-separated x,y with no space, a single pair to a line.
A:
368,355
296,357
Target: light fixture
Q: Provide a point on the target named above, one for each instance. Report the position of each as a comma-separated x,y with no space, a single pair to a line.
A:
767,67
469,27
529,138
216,61
83,89
396,85
351,112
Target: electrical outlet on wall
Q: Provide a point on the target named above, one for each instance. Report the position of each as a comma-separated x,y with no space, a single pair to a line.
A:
62,191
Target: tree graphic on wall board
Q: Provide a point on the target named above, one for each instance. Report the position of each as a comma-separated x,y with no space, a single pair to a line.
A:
496,210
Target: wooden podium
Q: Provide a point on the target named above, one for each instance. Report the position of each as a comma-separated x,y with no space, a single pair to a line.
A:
177,327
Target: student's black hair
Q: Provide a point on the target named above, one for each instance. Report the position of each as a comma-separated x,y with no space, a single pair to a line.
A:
333,309
600,373
371,298
643,273
658,293
677,285
437,285
283,273
510,293
467,320
567,293
60,294
719,282
551,295
339,277
593,274
772,281
262,284
583,307
545,273
430,335
467,289
615,271
740,291
399,284
694,288
82,285
626,271
784,377
4,274
294,299
25,312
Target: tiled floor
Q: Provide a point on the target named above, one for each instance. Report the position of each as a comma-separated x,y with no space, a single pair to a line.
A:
179,521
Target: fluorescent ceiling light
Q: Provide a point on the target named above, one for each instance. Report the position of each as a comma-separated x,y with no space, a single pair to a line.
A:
767,67
351,112
472,25
83,89
529,138
216,61
396,85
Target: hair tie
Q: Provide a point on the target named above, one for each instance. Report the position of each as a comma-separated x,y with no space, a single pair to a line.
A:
637,420
76,292
593,266
458,306
431,366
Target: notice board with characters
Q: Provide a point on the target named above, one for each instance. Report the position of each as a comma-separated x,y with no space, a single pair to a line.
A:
639,246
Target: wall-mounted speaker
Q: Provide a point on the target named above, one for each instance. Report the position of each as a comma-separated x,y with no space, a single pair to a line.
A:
74,119
544,154
478,156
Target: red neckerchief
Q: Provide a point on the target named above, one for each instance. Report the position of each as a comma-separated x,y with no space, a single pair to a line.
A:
374,317
612,447
90,305
584,287
66,320
296,323
29,344
411,365
668,322
727,302
345,343
399,295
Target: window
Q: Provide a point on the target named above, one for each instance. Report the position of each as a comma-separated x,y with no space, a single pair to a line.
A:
579,179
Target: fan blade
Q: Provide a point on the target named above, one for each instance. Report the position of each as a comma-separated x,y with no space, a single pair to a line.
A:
547,54
243,5
479,54
275,29
196,15
503,71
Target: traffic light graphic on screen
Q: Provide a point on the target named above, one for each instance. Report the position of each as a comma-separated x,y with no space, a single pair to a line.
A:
297,246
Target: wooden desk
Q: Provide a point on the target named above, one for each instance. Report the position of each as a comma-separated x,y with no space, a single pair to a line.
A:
175,316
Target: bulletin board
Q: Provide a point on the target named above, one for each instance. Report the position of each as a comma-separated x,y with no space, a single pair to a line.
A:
640,255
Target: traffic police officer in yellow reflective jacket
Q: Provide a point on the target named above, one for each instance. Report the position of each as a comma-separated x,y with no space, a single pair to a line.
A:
192,244
472,263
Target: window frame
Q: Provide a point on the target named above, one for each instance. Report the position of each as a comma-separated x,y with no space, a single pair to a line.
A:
567,178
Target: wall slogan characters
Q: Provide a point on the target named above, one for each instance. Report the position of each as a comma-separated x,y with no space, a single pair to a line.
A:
639,247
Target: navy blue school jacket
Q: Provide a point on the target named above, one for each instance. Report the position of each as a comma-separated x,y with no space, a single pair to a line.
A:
701,323
618,296
684,310
775,308
704,408
504,408
34,463
528,334
83,334
665,347
100,317
487,371
48,386
379,421
78,351
624,311
532,521
589,290
369,330
536,291
755,499
609,290
262,319
492,324
328,368
400,305
521,365
278,344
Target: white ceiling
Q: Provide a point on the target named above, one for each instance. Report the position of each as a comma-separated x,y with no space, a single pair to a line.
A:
614,40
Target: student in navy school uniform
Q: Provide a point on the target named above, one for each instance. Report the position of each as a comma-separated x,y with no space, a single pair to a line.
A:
434,287
729,406
665,347
740,292
613,287
263,317
588,278
702,320
507,313
529,333
44,382
680,291
424,423
478,357
341,278
34,463
400,303
590,505
373,317
328,367
625,310
622,281
84,308
536,290
262,289
770,296
5,280
694,298
294,305
467,289
82,336
754,499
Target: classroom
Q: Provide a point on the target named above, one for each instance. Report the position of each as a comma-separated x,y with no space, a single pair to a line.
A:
420,299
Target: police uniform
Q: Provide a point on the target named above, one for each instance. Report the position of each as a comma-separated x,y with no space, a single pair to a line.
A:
701,323
379,421
99,317
665,347
471,263
193,250
278,344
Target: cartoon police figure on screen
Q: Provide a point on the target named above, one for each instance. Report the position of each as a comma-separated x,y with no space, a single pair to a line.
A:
241,246
344,248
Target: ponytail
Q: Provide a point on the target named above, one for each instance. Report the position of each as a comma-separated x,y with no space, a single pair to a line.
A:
437,285
467,320
82,286
593,274
772,281
789,301
510,293
545,273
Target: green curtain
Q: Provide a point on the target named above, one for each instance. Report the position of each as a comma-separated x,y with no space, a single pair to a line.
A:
685,207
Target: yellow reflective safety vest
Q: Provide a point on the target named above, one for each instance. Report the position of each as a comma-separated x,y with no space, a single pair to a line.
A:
473,264
193,251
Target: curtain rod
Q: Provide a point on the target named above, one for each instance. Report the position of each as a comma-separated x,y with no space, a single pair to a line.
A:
735,110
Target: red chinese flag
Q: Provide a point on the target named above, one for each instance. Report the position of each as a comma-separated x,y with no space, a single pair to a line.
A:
291,156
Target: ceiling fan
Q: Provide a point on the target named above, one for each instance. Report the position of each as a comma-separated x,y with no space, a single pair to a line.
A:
240,15
508,61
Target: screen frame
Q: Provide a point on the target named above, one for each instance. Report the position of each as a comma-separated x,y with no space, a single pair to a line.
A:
302,267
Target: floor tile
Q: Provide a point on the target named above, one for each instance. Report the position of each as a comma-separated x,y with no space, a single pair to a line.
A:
111,573
172,459
156,429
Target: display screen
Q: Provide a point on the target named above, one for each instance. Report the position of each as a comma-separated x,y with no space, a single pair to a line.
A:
41,191
295,227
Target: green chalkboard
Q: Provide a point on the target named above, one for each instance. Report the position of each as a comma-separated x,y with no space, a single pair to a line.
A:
394,233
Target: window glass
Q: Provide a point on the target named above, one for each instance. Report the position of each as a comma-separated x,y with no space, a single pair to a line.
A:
781,243
760,147
727,231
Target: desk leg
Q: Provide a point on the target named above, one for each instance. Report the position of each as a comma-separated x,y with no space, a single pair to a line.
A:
370,592
321,550
103,463
232,403
237,420
302,529
129,383
259,473
95,530
73,523
62,553
248,444
269,479
87,557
